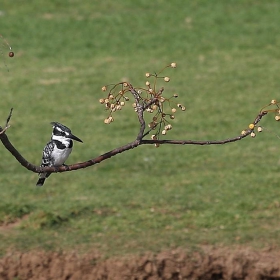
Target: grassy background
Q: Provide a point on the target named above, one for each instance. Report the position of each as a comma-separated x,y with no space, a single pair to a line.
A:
146,199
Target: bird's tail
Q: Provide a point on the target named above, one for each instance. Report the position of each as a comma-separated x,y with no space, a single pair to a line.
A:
42,178
40,182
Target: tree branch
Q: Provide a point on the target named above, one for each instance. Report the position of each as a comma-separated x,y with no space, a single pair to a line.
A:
150,100
139,141
214,142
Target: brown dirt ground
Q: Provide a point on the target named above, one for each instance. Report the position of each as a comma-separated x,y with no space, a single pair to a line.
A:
205,263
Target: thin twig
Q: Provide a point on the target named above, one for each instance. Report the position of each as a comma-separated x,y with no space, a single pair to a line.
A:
207,142
2,131
140,112
9,117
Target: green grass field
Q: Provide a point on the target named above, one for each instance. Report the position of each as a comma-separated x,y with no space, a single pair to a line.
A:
145,199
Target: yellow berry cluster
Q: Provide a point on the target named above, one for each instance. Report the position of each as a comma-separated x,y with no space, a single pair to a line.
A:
151,97
251,130
266,109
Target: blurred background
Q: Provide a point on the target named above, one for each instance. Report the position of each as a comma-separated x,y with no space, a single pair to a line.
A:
227,55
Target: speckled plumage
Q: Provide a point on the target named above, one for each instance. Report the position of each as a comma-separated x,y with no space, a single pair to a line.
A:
57,150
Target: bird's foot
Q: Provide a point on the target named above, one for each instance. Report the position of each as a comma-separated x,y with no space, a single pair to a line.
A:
66,166
56,169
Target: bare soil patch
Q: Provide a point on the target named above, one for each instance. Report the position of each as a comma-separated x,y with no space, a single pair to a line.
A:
205,264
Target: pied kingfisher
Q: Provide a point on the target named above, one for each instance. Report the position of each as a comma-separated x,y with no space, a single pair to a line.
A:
57,150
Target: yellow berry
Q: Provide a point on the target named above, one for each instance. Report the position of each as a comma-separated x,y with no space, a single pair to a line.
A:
260,129
251,126
183,108
277,118
163,132
104,88
172,117
253,134
147,75
122,103
101,100
273,101
173,110
166,79
173,65
243,132
147,83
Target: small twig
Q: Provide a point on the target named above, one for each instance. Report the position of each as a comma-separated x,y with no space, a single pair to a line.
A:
2,131
9,117
140,112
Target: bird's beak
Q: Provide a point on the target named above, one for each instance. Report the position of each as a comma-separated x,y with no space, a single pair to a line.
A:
75,138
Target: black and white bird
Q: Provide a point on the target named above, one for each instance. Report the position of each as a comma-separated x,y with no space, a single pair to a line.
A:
57,150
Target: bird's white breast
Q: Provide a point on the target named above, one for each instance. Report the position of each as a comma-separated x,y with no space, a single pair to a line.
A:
60,155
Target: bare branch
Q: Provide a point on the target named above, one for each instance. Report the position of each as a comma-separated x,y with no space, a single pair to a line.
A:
214,142
8,145
37,169
139,141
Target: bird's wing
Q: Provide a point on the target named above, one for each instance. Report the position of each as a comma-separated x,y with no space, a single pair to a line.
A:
47,159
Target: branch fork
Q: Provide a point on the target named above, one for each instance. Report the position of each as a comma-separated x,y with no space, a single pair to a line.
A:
141,107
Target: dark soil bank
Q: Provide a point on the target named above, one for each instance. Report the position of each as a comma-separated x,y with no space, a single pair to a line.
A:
205,263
